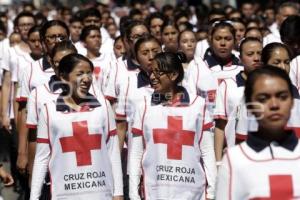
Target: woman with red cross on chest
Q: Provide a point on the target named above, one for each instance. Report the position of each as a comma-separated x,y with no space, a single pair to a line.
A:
77,141
266,165
167,143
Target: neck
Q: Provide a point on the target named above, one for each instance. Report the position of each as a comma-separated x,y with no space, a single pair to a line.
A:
271,135
244,75
92,55
73,102
223,61
35,57
24,46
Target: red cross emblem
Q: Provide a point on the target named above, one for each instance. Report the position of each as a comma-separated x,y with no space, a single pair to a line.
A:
97,71
174,136
281,188
81,143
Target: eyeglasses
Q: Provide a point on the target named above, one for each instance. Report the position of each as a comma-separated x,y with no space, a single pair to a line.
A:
53,38
137,36
158,73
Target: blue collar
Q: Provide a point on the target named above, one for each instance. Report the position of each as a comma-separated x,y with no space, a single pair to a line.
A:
55,83
258,144
240,81
45,63
131,65
142,79
182,100
89,102
295,92
211,60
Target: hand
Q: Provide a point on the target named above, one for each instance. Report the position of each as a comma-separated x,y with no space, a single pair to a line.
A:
6,123
118,198
22,162
6,177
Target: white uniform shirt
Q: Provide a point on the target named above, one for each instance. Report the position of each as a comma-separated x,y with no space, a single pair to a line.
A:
229,96
174,149
260,170
82,156
295,72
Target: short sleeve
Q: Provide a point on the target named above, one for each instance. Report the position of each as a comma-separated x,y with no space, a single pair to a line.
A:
137,127
32,112
220,111
295,72
43,129
111,120
24,85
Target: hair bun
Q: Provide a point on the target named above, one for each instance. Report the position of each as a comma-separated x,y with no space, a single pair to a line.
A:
182,57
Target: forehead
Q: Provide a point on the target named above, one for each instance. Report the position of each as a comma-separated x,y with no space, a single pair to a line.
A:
222,31
25,19
288,10
82,65
250,45
149,44
169,28
157,21
269,85
279,53
187,34
139,28
56,30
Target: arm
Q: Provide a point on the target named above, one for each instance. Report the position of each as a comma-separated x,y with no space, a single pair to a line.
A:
22,159
42,156
219,138
6,88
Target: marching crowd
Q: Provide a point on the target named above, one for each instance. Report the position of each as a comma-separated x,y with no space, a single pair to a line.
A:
141,102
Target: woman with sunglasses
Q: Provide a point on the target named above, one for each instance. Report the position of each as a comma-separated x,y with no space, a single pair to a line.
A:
168,142
83,155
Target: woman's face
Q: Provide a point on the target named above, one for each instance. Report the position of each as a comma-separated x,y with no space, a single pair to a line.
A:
222,43
119,48
161,82
80,80
146,53
93,41
271,102
251,55
240,30
169,38
280,58
187,43
54,34
155,26
57,58
35,43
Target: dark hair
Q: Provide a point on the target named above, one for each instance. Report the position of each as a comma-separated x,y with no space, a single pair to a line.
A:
266,70
168,23
34,29
180,15
2,27
152,16
74,19
61,46
131,25
144,39
246,40
91,12
124,22
134,12
117,39
68,63
51,23
40,17
222,24
171,62
290,30
269,48
23,14
87,30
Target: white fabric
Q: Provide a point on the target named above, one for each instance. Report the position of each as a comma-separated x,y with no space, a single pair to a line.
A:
100,175
295,72
177,173
246,174
229,97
